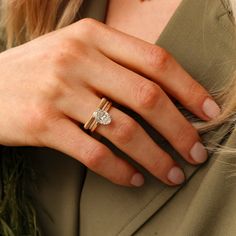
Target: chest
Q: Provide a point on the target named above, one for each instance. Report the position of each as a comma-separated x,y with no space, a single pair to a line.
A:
142,19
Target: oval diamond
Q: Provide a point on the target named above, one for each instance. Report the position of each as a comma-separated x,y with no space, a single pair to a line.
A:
102,117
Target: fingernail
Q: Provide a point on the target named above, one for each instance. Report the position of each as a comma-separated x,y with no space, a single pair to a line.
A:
137,180
198,153
210,108
176,175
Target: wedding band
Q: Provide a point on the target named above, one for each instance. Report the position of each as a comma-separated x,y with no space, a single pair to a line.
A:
105,120
100,116
94,123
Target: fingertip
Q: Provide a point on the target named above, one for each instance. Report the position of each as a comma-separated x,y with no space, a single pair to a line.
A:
198,153
176,175
137,180
210,108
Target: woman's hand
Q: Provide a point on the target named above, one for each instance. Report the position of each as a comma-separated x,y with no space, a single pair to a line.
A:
51,84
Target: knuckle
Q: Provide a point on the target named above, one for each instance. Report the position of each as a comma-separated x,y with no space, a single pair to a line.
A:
125,131
157,166
63,53
94,155
87,22
148,94
181,138
194,93
68,46
86,26
161,165
157,169
122,174
51,88
158,58
184,137
119,179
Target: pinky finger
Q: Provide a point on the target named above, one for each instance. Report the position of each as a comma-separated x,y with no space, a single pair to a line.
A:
68,138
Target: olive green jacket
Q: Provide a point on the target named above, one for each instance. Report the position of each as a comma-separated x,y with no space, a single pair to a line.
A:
201,37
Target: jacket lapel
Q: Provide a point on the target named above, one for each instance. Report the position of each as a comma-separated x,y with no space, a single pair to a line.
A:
197,35
94,9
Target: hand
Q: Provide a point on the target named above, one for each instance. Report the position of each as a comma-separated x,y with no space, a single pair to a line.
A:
53,82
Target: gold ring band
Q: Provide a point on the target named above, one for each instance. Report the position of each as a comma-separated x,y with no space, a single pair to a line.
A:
100,116
91,119
105,108
94,123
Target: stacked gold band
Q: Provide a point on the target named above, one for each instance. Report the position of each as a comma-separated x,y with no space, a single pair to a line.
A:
92,123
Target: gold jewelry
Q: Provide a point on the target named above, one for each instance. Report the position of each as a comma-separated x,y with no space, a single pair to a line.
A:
100,116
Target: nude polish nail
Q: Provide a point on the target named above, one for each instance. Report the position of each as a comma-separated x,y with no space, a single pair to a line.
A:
176,175
137,180
210,108
198,153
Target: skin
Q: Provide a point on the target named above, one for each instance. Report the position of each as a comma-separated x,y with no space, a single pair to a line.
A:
137,18
58,80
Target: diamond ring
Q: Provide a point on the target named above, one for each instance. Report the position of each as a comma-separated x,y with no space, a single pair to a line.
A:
100,116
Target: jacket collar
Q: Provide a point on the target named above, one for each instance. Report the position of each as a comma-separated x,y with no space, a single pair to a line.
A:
94,9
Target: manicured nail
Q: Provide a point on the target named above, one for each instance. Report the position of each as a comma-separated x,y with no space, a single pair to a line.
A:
176,175
210,108
137,180
198,153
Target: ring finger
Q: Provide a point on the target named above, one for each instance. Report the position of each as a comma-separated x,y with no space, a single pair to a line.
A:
127,135
151,102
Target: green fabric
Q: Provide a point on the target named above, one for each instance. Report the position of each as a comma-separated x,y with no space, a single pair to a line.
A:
201,37
94,9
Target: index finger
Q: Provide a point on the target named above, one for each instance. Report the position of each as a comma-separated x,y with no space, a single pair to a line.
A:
156,64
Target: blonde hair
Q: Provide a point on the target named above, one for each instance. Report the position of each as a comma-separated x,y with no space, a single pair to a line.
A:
25,20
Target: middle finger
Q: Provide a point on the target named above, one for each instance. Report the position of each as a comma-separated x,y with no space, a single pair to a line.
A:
150,101
127,135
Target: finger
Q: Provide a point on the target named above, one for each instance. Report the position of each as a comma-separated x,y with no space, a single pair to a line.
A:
68,138
128,136
148,99
154,63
